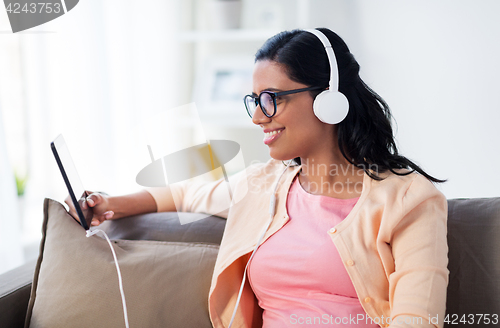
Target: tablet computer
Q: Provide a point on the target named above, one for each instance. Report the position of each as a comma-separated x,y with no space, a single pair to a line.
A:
72,181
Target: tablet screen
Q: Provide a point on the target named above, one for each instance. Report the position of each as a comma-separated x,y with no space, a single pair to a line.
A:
72,180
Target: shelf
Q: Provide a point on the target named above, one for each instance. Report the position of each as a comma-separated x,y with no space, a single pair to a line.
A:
231,123
227,35
215,120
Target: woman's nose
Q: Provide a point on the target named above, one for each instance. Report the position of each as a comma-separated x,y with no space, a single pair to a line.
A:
259,117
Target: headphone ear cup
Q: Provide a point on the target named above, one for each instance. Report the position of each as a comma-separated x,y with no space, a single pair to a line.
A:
331,107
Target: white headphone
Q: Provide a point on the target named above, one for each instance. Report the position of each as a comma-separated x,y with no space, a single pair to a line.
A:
330,106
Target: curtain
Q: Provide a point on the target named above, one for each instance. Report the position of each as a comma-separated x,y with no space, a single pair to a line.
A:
10,237
93,74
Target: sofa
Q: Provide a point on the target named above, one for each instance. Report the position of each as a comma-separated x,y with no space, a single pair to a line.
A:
473,297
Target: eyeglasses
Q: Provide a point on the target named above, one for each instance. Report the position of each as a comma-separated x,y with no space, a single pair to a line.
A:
267,100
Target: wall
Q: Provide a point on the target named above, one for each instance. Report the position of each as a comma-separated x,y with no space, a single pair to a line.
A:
436,64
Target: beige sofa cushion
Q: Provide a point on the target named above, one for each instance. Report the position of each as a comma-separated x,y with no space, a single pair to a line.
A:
75,284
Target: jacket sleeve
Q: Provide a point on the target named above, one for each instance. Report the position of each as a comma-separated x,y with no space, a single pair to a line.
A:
213,197
417,287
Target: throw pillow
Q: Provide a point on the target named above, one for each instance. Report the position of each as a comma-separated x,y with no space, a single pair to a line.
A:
75,284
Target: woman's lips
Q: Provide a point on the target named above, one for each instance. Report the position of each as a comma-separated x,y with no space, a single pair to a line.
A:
271,136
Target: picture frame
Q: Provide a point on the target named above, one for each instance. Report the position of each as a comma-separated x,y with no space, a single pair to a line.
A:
221,85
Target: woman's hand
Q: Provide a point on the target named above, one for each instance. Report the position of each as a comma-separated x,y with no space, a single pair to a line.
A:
99,203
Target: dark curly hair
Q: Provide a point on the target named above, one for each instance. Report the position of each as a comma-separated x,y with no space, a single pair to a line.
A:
365,136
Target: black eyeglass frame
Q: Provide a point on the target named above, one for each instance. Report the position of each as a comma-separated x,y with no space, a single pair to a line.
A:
273,96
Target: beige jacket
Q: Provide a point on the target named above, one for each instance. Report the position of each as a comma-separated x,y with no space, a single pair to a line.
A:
393,243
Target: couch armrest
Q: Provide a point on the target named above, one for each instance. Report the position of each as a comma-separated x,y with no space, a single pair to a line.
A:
474,249
15,289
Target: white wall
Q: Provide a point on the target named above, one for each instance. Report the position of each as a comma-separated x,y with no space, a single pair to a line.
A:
436,64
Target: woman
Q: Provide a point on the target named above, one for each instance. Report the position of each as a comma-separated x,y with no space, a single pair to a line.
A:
357,235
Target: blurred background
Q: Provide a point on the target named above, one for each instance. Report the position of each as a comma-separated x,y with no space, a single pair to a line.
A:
106,73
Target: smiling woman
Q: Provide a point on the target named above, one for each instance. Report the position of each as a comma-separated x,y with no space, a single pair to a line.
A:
354,230
314,108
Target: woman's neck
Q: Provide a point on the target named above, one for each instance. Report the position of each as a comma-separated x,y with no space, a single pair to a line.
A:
333,177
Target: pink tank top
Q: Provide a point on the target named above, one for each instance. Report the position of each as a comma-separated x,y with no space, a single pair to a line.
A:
297,274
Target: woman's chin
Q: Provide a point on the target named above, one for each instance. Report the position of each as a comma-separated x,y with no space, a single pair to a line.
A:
279,156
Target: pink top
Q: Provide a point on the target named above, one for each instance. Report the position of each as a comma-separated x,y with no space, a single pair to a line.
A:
298,275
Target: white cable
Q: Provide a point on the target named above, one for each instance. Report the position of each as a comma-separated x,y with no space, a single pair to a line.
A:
120,283
272,208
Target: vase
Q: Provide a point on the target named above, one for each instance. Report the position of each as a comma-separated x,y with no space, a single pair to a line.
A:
224,14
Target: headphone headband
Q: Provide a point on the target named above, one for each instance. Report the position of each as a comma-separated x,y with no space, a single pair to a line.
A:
330,106
334,75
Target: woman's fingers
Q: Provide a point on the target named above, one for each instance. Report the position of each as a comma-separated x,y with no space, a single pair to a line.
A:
97,220
94,199
97,202
109,215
